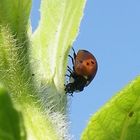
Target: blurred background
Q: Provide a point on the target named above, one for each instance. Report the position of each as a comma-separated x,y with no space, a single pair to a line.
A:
111,31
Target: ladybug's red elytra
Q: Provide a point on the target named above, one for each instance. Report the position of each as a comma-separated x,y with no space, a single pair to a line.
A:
84,70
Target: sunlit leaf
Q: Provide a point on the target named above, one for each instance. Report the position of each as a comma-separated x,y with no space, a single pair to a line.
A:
119,118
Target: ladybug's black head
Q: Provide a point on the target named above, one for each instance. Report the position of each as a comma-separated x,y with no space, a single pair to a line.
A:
77,85
69,88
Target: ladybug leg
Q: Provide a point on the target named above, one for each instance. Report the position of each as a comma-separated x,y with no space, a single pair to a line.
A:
72,74
65,89
71,94
71,59
69,69
67,75
74,54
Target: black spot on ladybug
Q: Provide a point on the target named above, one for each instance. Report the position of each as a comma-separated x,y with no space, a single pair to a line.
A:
87,63
82,73
131,114
92,62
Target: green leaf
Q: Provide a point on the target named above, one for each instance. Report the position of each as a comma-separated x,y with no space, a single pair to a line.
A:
119,118
58,28
15,67
15,15
36,89
11,123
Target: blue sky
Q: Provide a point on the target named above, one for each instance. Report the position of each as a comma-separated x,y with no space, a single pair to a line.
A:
111,31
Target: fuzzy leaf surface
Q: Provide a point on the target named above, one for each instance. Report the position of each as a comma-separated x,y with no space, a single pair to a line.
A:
11,122
58,28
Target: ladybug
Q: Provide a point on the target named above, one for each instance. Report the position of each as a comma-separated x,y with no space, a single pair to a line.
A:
84,70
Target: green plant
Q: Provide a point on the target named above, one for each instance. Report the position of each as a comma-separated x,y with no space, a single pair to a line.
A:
32,68
33,104
119,118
